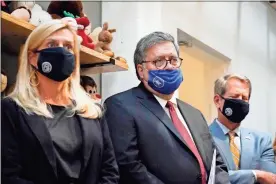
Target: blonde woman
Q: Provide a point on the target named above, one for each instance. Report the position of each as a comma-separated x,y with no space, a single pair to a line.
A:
52,132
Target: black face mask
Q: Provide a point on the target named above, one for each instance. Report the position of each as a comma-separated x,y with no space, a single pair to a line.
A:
56,63
235,110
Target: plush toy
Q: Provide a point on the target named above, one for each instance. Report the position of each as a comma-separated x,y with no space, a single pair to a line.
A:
121,59
39,15
21,9
90,86
106,36
71,21
102,36
56,8
22,13
4,81
86,40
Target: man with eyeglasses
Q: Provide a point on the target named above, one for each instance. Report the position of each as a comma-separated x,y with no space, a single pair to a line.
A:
159,139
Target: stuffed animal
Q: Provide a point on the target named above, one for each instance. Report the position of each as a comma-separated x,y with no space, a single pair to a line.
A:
4,81
71,21
21,9
86,40
103,38
106,36
90,86
22,13
39,15
56,8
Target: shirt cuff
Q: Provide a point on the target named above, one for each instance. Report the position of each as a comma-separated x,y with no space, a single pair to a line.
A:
255,175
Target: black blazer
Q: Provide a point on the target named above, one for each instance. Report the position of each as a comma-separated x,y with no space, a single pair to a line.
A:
148,148
28,155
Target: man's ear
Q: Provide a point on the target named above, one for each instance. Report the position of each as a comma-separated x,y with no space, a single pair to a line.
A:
140,70
217,100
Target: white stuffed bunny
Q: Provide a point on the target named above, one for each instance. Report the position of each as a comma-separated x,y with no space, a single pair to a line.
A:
39,15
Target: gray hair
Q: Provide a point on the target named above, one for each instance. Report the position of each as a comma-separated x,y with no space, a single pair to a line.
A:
221,83
148,41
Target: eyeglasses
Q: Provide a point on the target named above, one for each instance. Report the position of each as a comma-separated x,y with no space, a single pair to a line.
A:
162,63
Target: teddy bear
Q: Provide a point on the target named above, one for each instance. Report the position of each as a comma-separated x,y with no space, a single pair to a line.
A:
56,8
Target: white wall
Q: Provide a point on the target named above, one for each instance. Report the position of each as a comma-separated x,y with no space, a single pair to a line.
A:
243,31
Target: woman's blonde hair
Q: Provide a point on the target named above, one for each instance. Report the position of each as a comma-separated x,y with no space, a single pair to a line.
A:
25,93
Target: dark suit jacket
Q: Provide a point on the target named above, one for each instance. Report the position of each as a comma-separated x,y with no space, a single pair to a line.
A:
148,148
28,155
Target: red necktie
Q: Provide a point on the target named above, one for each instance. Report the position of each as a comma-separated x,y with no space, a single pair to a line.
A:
187,138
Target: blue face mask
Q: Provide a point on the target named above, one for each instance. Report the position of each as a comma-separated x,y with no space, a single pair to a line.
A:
165,81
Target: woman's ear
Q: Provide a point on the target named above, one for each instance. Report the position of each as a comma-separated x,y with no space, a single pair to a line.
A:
32,58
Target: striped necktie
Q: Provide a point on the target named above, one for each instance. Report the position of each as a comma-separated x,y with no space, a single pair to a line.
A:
234,149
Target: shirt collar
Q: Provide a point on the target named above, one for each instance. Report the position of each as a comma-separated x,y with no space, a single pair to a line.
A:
226,130
163,102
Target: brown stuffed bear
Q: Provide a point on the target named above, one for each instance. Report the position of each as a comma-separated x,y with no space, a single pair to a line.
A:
56,8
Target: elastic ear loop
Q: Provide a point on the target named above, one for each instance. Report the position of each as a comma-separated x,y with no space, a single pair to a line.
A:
33,76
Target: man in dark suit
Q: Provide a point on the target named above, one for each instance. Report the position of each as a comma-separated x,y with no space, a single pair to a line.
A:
159,139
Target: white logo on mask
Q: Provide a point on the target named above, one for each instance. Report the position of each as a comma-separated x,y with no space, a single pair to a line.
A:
158,82
46,67
228,111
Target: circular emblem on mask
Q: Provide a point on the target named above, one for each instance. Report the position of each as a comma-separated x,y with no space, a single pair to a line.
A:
46,67
158,82
228,111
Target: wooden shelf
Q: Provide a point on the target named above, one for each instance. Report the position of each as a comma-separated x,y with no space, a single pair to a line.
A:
14,32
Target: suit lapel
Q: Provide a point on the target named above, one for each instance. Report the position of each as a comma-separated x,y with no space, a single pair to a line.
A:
222,142
87,137
197,130
148,101
247,148
38,127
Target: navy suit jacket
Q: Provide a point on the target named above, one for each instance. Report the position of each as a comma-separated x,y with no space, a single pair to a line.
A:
148,148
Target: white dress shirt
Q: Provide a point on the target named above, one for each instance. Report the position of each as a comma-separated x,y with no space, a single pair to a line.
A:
163,103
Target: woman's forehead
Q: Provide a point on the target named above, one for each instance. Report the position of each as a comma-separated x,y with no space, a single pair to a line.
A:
62,35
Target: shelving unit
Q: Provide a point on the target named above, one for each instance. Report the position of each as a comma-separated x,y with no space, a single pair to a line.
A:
15,31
